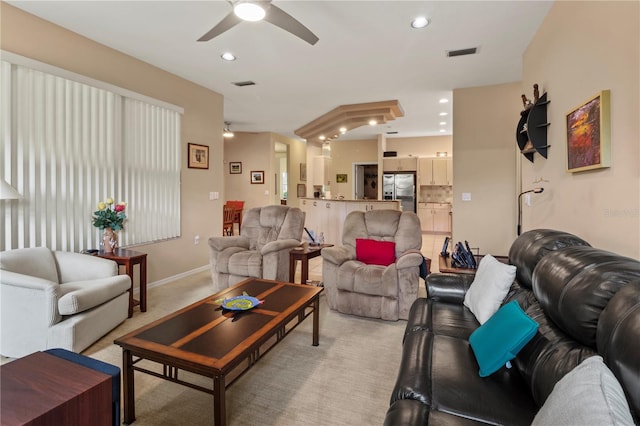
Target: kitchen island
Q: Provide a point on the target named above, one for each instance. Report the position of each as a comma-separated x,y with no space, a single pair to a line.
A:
327,216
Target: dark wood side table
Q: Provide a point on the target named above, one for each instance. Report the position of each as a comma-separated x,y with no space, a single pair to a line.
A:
43,389
129,258
303,254
444,265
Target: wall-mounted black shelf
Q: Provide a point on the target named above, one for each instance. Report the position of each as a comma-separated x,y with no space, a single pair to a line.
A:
535,131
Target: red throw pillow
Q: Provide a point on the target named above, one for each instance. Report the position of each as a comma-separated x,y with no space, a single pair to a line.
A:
374,252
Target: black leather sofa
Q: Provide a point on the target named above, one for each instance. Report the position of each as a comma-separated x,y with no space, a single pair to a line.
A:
586,302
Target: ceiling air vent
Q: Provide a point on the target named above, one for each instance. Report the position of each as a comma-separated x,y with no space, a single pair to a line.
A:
392,133
462,52
244,83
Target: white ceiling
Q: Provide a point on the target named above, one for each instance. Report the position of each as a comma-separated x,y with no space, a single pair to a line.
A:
367,52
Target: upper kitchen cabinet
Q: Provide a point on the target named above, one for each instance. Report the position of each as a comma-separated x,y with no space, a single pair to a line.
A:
322,170
436,171
400,164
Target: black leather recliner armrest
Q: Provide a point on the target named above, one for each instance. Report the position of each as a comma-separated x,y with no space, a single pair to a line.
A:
449,288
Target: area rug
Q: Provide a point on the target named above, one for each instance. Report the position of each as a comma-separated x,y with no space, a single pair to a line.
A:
346,380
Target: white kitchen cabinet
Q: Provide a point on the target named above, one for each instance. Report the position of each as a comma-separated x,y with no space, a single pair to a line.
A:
322,170
435,217
436,171
327,216
400,164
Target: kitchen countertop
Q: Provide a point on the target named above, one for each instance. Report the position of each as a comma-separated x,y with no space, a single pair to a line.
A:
348,200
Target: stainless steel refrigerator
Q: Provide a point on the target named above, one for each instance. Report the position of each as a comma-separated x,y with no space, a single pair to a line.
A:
401,187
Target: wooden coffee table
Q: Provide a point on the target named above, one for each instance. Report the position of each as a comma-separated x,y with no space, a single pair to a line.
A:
204,339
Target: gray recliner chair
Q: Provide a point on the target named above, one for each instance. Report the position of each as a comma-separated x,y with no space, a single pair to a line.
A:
261,251
370,290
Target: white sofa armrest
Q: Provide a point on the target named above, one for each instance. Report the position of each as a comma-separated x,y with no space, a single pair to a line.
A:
79,296
29,306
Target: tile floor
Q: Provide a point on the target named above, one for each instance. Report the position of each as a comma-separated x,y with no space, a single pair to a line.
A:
431,247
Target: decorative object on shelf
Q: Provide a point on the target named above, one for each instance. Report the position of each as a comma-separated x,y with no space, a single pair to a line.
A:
303,172
589,134
257,176
198,156
110,217
535,191
531,133
235,168
302,190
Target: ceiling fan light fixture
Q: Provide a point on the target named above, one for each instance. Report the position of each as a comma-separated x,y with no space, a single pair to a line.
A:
226,132
419,22
228,56
248,11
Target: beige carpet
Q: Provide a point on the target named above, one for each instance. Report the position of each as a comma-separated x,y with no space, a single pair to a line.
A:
347,380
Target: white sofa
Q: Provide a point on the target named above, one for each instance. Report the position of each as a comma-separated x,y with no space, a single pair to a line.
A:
54,299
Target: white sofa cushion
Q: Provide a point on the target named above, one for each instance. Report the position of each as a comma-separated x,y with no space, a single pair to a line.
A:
79,296
489,287
588,394
36,262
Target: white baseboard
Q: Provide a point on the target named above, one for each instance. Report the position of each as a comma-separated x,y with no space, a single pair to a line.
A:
173,278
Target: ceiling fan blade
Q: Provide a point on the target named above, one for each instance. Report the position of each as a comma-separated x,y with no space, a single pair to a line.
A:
282,19
227,22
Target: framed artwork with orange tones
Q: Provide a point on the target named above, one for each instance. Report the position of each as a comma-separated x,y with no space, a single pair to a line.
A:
589,134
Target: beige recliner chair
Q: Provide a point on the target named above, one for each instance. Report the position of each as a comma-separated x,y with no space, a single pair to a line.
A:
261,251
371,290
56,299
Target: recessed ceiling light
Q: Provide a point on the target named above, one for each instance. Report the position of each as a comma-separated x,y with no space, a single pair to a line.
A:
443,123
322,137
228,56
441,154
343,130
442,130
444,100
442,114
372,122
419,22
249,11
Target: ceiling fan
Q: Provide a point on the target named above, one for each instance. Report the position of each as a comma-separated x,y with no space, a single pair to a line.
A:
255,11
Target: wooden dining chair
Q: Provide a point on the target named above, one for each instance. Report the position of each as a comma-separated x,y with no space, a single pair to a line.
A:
238,206
228,216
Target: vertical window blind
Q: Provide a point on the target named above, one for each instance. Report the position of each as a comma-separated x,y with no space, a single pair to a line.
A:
67,145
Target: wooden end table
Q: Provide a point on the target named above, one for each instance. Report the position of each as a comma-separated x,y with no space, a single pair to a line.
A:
444,265
43,389
303,254
128,259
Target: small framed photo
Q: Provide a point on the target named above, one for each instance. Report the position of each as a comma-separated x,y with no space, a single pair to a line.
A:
341,178
198,156
257,176
235,168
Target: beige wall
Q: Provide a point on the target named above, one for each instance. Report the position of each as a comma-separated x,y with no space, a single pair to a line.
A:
297,153
202,123
484,153
343,155
577,52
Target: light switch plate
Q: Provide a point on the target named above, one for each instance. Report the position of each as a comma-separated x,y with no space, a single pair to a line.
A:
466,196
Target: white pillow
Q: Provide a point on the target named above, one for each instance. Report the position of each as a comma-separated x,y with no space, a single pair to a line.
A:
587,395
489,287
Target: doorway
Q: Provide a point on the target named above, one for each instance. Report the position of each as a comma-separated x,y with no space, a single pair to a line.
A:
365,184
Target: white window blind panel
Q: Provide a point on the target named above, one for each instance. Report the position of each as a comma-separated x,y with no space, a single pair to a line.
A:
67,145
151,183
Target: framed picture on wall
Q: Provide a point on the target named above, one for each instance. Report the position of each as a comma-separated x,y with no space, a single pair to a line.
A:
341,178
257,176
588,134
198,156
235,168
